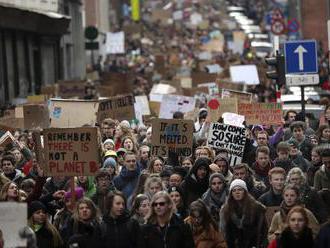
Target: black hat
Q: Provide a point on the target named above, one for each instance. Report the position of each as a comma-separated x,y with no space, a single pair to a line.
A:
34,207
175,189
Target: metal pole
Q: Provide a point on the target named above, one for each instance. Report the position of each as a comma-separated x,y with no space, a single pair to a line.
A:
303,102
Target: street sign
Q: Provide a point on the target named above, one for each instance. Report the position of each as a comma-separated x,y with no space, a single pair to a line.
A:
278,27
301,57
302,80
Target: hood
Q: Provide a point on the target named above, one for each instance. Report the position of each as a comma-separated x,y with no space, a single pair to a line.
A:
200,162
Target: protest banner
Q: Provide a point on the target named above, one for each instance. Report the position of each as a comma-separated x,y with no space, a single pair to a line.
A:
240,95
120,83
135,10
261,113
172,136
216,107
119,108
65,113
233,119
173,103
11,124
13,219
230,137
71,151
195,91
37,99
247,74
69,89
36,116
115,43
202,77
227,84
49,90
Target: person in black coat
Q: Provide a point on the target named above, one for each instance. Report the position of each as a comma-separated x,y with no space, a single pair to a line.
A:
84,227
197,181
163,227
323,238
119,230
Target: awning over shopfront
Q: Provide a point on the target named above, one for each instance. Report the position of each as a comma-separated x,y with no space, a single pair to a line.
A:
43,22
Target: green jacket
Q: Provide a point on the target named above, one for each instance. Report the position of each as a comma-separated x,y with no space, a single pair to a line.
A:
322,179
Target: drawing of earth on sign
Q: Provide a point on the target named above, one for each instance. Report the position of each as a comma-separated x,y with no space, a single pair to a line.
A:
171,131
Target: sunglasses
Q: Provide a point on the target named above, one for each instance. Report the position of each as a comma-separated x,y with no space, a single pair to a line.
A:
161,204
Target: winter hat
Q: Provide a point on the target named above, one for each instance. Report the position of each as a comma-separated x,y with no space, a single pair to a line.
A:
238,183
175,189
35,206
109,141
109,162
202,114
121,150
218,175
202,162
79,192
110,153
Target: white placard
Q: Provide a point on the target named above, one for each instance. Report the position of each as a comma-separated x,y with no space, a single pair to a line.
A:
247,74
13,217
196,19
233,119
116,43
177,15
142,104
215,68
173,103
229,137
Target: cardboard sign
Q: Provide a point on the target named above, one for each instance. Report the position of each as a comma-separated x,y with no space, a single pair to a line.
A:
213,88
216,107
195,91
244,73
65,113
161,16
36,116
202,77
49,90
11,124
71,151
93,76
37,99
186,82
13,218
173,103
69,89
118,108
226,84
121,83
261,113
230,137
115,43
240,95
172,136
6,139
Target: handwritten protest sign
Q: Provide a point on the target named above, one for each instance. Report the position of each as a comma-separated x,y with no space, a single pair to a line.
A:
173,103
36,98
115,43
240,95
172,136
71,151
72,113
230,137
120,83
36,116
13,218
261,113
120,108
6,139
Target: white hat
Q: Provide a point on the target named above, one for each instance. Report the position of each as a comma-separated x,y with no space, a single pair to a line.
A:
237,183
109,141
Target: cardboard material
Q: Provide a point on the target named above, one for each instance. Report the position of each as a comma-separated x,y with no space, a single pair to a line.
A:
213,88
13,218
93,76
240,95
172,136
261,113
37,99
49,90
71,151
161,16
186,82
69,89
154,108
72,113
121,83
230,137
195,91
244,73
216,107
118,108
202,77
6,139
36,116
224,84
173,103
11,124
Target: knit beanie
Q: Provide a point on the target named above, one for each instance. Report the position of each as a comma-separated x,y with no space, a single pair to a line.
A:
109,141
238,183
35,206
175,189
218,175
109,162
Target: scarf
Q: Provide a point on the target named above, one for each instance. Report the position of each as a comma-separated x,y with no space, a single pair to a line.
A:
288,240
262,171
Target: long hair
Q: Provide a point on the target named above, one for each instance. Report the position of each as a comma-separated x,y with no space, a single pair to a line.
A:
110,198
320,131
137,203
4,192
297,209
139,188
135,146
248,208
152,217
207,220
149,181
152,163
57,240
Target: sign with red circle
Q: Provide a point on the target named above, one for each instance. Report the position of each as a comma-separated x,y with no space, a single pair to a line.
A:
278,27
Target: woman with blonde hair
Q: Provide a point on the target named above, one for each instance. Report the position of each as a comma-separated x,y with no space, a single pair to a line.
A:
46,233
84,226
129,143
11,192
153,185
297,233
156,165
163,227
122,130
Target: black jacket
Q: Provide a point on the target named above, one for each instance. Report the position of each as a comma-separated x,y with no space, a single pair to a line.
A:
270,199
287,239
122,232
84,234
176,235
323,238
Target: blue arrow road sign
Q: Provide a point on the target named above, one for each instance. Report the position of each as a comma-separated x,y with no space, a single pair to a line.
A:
300,57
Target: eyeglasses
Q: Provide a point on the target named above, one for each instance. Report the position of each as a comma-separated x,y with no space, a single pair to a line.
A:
161,204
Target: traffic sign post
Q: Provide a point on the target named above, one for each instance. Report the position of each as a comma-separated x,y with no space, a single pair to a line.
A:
301,65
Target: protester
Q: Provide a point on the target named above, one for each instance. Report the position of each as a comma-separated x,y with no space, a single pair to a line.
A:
204,228
140,208
322,176
163,228
153,185
242,218
155,165
177,198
